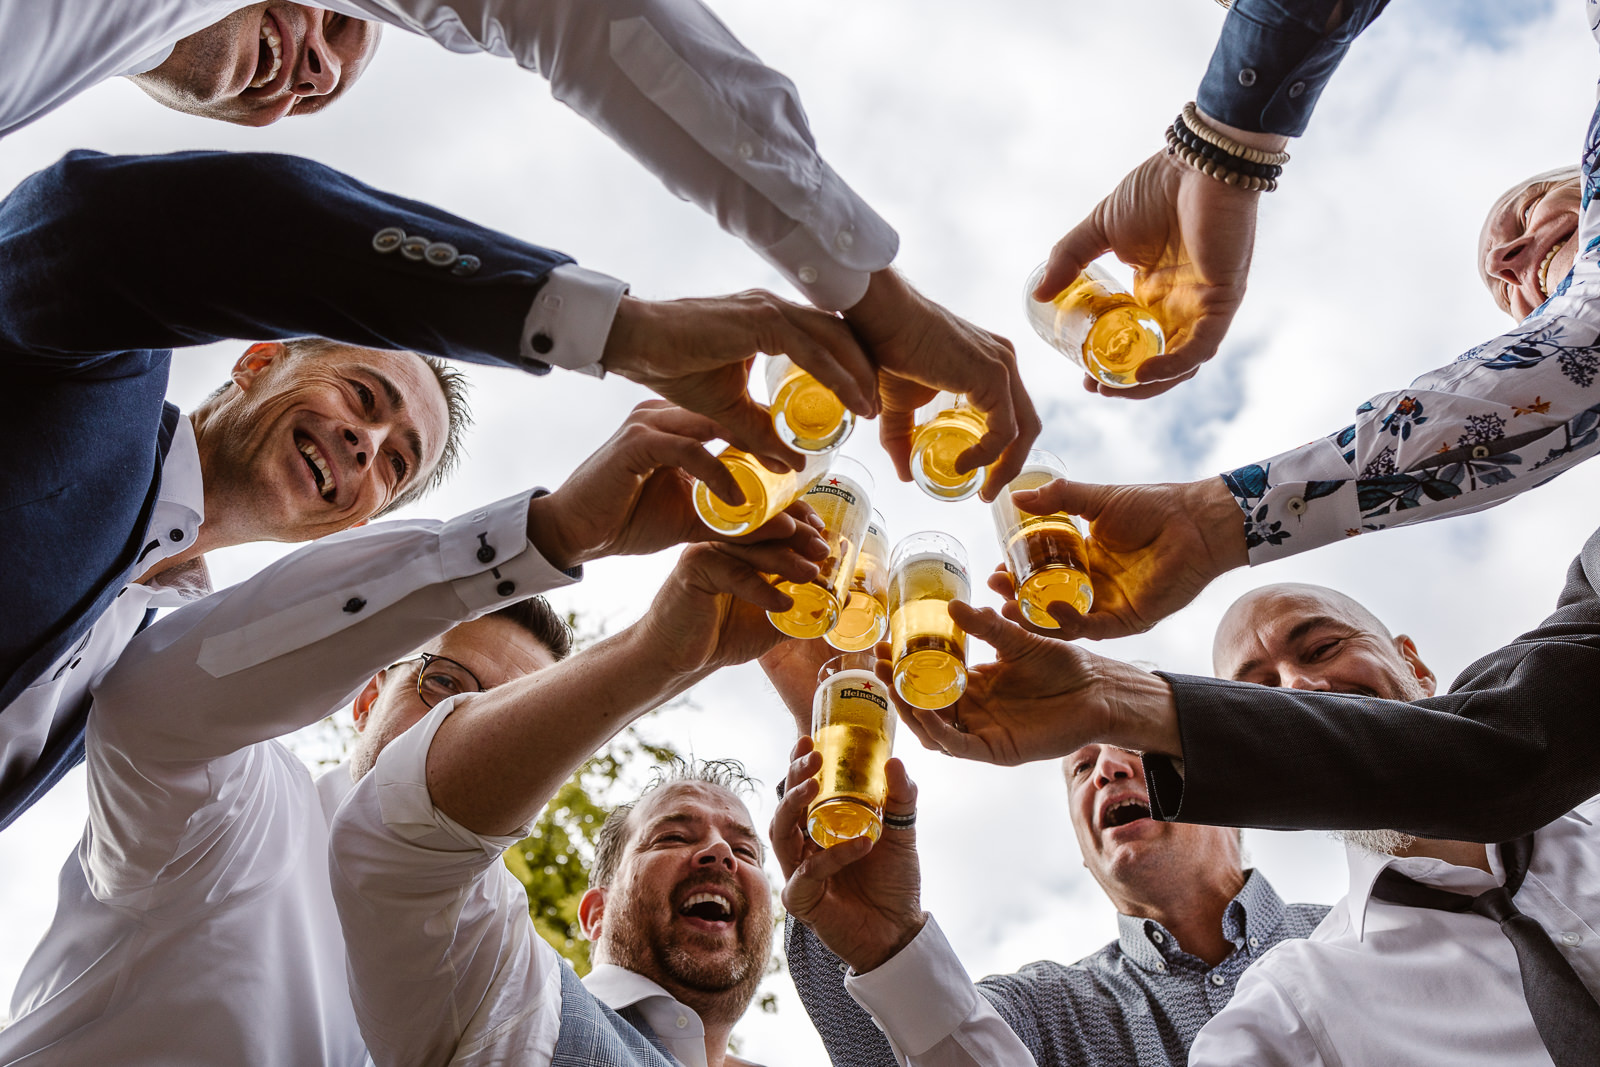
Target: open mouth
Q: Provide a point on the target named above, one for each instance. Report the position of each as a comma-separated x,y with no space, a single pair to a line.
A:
1124,812
708,907
321,469
1544,267
269,58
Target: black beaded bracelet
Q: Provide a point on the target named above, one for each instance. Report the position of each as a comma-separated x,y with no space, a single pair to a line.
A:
1195,143
1229,169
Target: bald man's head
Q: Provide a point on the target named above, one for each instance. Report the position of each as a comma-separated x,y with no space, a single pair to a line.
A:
1310,637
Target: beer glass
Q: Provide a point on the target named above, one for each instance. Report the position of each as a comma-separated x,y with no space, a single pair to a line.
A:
946,427
1098,324
852,727
1043,552
929,570
841,500
865,618
765,492
806,413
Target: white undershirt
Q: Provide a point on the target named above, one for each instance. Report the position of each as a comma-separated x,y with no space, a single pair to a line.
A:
195,923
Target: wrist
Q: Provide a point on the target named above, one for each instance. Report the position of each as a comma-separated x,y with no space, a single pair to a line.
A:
886,296
622,353
1266,142
1221,523
547,532
865,958
1141,712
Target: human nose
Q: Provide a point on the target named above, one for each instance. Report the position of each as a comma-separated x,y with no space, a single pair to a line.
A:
1298,679
717,851
1501,260
1112,765
320,66
363,445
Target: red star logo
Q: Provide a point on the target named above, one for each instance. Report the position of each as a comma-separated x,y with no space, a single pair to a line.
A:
833,481
868,687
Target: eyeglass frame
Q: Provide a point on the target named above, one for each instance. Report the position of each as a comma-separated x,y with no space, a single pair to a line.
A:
427,658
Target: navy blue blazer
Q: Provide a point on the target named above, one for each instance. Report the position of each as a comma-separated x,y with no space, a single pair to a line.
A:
107,263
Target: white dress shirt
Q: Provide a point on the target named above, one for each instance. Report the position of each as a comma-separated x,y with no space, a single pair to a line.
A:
1382,983
195,924
930,1010
445,966
47,706
663,78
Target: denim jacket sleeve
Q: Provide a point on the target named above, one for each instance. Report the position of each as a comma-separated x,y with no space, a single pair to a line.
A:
1275,57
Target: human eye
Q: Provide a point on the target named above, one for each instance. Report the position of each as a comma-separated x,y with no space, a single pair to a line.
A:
398,462
1081,768
365,396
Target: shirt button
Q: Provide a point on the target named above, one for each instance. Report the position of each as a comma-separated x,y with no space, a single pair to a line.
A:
1247,77
746,149
441,254
1571,939
176,535
844,241
1296,89
1158,937
387,240
682,1022
844,968
807,275
506,588
354,604
414,247
1480,451
486,554
1255,942
1217,979
541,343
1295,505
466,265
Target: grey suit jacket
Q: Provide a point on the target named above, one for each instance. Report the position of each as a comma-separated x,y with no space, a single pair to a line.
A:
1514,744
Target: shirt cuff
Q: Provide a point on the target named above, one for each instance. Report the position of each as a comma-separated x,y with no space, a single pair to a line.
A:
400,778
920,995
489,560
571,318
831,255
1302,499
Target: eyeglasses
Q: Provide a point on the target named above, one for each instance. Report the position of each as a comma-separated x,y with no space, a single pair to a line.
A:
441,678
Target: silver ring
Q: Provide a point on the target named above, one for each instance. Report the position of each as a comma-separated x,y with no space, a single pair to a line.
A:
900,822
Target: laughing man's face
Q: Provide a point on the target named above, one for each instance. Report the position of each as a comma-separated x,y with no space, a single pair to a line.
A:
263,63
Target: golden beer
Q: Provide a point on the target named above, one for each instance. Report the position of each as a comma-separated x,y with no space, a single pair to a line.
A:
1099,324
852,727
946,427
765,492
840,500
865,618
1045,553
930,650
806,414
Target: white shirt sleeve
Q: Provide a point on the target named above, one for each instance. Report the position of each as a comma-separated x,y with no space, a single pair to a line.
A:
176,723
571,317
444,963
1260,1026
930,1010
668,82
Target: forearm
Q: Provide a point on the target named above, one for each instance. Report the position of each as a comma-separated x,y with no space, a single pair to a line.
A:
112,253
501,756
1505,417
668,82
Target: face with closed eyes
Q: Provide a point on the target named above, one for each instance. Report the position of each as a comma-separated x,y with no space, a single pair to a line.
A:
263,63
310,443
1528,243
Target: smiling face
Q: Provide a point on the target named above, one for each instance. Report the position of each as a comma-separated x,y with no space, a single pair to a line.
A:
1527,245
315,442
1307,637
689,906
263,63
1135,858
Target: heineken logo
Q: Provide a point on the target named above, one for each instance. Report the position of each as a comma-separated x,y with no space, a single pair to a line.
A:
953,569
851,693
835,489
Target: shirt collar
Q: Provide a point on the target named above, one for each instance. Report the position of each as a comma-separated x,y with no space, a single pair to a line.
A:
180,505
1365,866
621,988
1251,917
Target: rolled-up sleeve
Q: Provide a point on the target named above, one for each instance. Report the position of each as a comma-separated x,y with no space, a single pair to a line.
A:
668,82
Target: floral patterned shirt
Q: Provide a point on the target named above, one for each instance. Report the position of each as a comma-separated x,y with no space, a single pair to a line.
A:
1504,417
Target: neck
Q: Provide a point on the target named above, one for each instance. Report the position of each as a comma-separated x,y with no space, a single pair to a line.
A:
1460,853
1191,912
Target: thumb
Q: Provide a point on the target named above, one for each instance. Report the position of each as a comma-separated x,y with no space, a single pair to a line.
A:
1083,244
987,625
1075,498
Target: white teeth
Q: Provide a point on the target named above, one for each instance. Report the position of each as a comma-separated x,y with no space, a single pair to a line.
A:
708,898
309,450
270,35
1544,268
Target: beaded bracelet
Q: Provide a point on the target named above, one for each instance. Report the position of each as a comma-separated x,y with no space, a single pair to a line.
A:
1192,141
1219,156
1191,118
1218,169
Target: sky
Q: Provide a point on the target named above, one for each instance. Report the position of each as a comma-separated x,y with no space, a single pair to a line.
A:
983,133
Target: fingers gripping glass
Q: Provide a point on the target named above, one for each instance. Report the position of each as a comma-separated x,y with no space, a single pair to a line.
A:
440,678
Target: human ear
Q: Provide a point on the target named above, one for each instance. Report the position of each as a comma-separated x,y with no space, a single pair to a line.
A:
591,909
257,358
365,699
1423,673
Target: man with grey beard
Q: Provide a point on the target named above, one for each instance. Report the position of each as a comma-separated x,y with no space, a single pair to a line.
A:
1431,957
